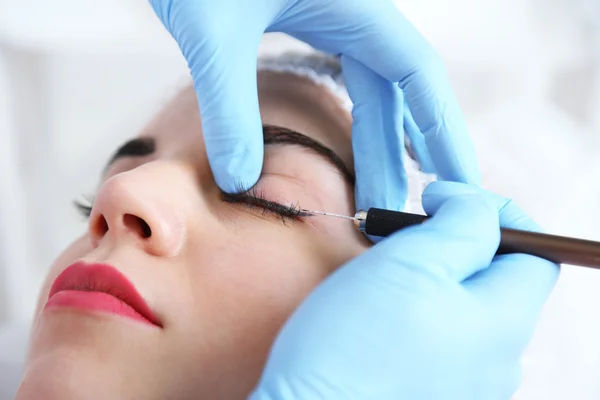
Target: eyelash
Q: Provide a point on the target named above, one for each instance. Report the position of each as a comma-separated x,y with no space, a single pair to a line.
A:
252,198
256,199
84,209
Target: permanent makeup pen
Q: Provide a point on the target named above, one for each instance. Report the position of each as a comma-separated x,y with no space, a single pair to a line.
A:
559,249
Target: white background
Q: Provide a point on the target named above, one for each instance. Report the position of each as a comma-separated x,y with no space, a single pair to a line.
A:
77,77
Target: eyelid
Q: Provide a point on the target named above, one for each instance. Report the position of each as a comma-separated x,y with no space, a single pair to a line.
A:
84,208
123,165
253,198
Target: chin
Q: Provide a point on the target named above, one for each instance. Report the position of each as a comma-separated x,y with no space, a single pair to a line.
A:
84,375
67,375
82,363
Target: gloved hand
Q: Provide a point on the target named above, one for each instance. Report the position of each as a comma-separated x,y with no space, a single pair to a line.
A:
220,41
428,313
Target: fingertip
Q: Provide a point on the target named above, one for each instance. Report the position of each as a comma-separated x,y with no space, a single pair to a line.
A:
387,191
447,189
467,211
236,174
512,216
437,193
362,197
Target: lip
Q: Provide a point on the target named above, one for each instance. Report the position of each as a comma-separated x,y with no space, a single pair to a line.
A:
99,288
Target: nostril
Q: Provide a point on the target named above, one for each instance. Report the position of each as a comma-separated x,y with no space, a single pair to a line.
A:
137,224
101,226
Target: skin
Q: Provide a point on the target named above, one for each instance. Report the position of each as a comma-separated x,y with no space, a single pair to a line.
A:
222,278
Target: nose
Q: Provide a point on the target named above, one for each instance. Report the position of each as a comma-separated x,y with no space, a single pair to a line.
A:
139,207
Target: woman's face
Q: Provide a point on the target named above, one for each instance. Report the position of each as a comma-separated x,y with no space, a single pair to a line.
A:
220,274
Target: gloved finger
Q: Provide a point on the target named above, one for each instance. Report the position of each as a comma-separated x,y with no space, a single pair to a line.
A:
437,193
377,138
459,240
376,34
516,285
231,123
224,71
417,142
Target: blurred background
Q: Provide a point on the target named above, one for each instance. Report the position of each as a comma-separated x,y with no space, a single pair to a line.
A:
77,77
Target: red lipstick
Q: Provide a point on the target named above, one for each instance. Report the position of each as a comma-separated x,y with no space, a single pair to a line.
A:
102,288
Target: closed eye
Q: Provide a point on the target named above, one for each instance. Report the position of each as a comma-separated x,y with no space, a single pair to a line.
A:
252,198
84,207
255,199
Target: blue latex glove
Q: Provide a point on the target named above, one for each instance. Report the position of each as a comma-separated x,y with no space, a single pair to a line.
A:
428,313
220,41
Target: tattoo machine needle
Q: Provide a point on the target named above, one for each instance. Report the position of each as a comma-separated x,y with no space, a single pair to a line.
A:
558,249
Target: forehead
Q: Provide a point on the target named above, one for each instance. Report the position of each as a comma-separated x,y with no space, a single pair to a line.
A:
177,127
178,124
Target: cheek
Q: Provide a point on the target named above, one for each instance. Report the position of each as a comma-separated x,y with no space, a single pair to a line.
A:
282,274
74,252
241,290
255,282
266,270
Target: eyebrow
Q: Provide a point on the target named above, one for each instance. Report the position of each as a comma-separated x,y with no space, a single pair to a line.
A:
141,147
278,135
138,147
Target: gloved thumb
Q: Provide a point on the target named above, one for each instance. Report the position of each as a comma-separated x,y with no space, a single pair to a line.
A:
437,193
226,88
510,215
224,71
